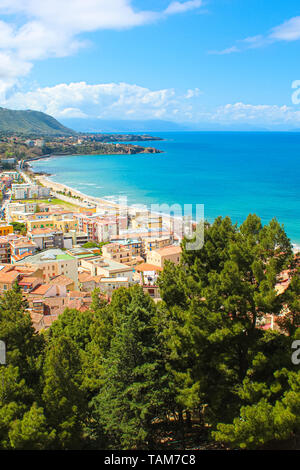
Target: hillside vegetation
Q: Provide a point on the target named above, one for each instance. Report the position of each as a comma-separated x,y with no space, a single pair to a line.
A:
31,122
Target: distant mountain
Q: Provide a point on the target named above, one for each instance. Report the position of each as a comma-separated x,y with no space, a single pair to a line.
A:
100,125
128,126
31,123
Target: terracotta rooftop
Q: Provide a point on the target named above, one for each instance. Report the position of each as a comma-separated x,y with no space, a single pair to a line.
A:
41,231
9,277
169,250
22,243
61,280
148,267
85,277
20,257
41,290
77,294
27,280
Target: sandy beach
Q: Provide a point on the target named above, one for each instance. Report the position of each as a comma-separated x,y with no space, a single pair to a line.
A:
87,201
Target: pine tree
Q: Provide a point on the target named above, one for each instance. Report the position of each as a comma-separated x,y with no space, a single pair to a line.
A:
134,390
64,401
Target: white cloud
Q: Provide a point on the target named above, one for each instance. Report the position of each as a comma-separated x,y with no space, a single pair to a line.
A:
105,100
128,101
181,7
257,114
229,50
192,93
53,28
287,31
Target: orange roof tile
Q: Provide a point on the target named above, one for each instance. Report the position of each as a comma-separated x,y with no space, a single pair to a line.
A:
61,280
147,267
169,250
8,277
28,280
41,290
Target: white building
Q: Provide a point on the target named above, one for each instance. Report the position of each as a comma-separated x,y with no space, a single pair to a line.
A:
29,191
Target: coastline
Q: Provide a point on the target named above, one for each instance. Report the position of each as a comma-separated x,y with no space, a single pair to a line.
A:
145,150
100,203
167,220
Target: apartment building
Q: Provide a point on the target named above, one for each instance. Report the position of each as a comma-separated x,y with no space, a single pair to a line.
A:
98,229
21,248
135,246
146,222
16,210
55,262
29,191
117,252
64,225
155,243
108,285
107,268
159,257
46,238
5,229
4,250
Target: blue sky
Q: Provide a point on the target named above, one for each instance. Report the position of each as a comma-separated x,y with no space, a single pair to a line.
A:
203,62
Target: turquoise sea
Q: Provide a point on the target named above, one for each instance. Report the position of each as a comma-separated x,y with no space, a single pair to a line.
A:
231,173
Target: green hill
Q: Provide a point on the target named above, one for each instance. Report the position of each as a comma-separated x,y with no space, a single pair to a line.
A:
30,123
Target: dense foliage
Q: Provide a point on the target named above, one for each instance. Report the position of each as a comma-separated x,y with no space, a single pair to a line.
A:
133,374
30,122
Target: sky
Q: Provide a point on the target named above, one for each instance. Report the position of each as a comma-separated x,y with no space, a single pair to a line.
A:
223,63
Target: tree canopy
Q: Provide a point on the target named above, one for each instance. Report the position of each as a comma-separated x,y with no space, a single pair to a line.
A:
197,366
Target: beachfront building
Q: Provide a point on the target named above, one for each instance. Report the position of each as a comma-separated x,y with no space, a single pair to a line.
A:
29,191
17,210
14,176
97,228
159,257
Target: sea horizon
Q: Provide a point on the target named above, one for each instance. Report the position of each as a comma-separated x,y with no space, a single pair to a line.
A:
232,173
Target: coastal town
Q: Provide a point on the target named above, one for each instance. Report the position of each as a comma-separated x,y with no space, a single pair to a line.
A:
149,229
60,246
